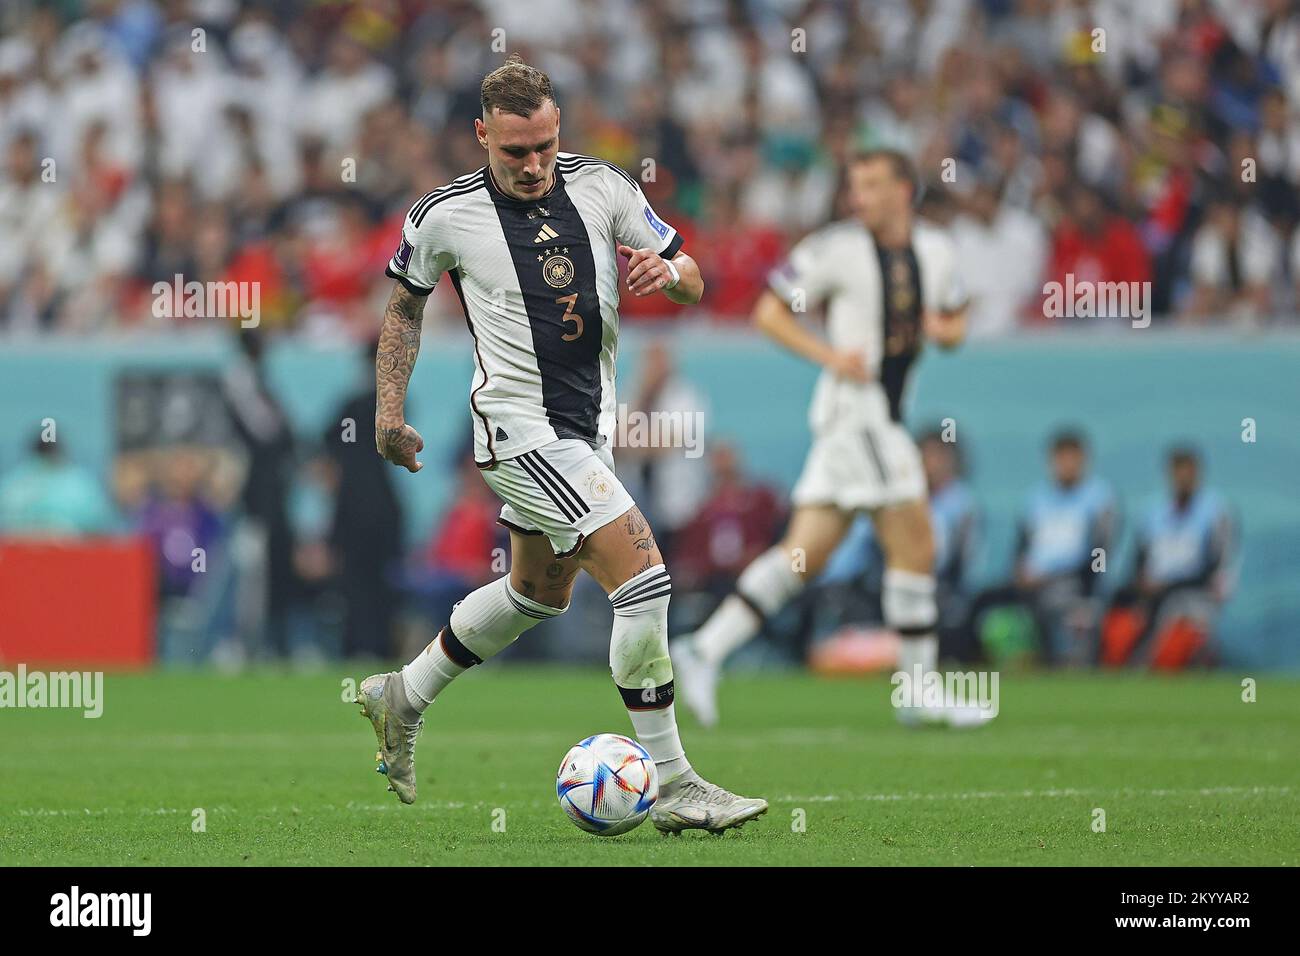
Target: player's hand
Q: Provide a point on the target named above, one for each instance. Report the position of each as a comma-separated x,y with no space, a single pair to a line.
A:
849,364
945,331
646,271
399,443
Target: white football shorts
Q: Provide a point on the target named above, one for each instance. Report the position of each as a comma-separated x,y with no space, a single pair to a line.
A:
858,467
564,490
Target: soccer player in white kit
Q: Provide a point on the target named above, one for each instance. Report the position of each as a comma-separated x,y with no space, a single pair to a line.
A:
531,243
889,283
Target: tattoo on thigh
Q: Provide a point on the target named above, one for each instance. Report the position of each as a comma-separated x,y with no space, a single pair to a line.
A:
559,580
644,538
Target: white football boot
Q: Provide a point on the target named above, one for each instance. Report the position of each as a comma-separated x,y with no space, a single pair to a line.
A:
692,803
396,737
965,717
698,681
920,716
959,717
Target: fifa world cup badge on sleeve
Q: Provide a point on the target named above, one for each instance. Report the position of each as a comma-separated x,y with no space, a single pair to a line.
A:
403,255
656,223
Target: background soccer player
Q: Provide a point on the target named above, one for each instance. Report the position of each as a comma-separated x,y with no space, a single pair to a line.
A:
531,242
889,284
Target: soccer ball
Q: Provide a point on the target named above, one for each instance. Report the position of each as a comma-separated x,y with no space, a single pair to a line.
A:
607,784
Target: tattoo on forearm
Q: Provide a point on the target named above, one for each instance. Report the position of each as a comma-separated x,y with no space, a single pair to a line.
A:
399,346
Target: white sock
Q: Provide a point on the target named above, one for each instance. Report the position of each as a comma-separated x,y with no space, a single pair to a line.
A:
429,673
907,599
485,623
656,731
767,585
918,650
642,670
730,627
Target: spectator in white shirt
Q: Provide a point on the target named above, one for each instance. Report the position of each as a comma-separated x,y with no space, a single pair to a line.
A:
1001,252
1236,258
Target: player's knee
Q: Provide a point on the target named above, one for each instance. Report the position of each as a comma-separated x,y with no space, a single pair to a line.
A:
530,588
558,598
917,556
911,551
553,586
560,602
490,618
805,559
620,550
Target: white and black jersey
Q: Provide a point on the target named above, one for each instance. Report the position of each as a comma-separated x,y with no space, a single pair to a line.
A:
538,280
875,299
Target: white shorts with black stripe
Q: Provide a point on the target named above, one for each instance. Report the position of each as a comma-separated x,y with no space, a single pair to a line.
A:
860,467
564,490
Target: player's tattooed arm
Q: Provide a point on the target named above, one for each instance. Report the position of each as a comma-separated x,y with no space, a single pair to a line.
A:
399,346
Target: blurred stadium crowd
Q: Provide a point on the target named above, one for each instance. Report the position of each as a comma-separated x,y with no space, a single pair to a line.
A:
283,142
307,552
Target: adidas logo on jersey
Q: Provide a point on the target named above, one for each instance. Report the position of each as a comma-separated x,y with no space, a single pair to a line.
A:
501,434
545,234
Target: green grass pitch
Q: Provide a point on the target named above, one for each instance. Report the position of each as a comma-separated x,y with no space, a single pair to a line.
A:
1185,771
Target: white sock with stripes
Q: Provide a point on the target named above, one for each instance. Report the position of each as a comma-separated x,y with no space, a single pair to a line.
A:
642,670
485,623
907,599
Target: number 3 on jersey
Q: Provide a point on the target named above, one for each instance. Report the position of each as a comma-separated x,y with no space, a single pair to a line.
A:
570,316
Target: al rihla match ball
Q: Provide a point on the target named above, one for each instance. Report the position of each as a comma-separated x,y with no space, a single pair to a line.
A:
607,784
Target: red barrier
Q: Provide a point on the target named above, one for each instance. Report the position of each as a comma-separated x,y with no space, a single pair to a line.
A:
77,601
